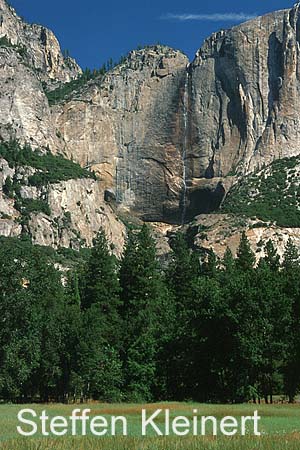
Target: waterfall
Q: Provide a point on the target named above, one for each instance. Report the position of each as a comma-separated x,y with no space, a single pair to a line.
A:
185,143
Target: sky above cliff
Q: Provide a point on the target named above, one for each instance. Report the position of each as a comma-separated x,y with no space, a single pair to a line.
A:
94,31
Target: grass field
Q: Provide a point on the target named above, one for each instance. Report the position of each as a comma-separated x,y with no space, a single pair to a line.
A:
279,425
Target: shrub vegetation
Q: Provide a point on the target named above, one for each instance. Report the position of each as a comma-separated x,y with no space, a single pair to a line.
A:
272,194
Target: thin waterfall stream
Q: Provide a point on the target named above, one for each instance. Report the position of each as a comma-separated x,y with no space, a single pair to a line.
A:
185,144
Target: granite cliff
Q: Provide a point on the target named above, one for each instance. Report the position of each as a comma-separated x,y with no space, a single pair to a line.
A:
161,128
166,138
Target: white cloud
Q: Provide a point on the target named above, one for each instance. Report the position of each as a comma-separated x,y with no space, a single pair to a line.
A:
216,17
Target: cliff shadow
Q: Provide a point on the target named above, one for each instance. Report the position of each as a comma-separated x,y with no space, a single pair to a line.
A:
204,201
275,72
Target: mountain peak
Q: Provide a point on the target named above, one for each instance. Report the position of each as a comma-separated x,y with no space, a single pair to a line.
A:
41,48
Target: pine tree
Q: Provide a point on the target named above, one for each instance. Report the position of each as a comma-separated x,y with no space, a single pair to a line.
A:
228,260
271,256
20,322
183,270
71,334
275,317
142,294
245,257
73,289
209,267
47,290
98,373
98,370
291,256
182,275
100,287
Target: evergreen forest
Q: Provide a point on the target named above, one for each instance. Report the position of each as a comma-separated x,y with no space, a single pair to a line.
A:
136,330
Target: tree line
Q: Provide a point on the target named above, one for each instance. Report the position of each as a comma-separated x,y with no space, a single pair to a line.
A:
197,328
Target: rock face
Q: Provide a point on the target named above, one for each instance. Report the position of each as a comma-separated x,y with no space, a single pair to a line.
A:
76,212
166,138
30,59
158,131
246,96
39,46
24,113
218,232
128,126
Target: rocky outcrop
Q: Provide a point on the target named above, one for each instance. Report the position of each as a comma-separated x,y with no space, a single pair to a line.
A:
218,232
39,47
30,59
9,225
24,113
76,212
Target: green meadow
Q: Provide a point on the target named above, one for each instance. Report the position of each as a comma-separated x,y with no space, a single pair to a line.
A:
279,425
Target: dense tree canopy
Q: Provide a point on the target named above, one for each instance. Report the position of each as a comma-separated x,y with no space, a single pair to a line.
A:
199,328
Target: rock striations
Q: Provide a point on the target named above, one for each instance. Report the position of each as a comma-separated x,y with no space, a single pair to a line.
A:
246,96
128,127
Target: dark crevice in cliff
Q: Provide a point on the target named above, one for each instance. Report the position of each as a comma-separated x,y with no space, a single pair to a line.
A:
275,70
204,201
229,76
210,172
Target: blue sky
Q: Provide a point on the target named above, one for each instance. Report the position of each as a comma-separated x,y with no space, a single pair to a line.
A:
96,30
